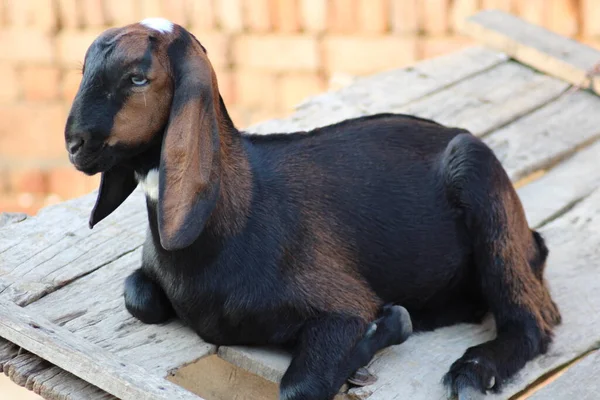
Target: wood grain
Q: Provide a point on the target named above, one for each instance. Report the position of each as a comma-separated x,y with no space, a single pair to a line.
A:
578,382
90,362
535,46
396,87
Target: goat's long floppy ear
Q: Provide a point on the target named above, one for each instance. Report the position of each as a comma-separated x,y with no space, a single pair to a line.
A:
116,185
189,167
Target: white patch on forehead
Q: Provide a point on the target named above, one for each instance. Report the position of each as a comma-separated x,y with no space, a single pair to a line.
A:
161,25
149,184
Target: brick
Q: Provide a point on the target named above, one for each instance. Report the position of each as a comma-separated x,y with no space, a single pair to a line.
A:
26,46
277,52
503,5
532,11
121,12
71,46
373,16
175,11
313,15
460,11
66,182
17,13
595,43
256,89
70,84
151,8
296,87
285,15
202,14
92,183
435,16
226,81
69,12
342,16
33,14
230,15
32,130
437,46
45,17
40,83
9,89
561,17
257,116
22,203
258,16
405,17
367,54
93,13
590,15
218,47
31,180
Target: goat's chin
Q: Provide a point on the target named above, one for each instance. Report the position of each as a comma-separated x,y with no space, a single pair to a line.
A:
93,165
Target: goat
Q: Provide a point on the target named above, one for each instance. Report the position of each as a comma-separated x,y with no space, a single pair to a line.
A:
318,240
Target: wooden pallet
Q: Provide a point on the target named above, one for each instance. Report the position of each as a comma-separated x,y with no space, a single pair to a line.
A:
67,333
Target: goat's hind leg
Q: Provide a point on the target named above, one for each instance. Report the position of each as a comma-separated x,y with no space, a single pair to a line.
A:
393,327
505,251
146,300
333,347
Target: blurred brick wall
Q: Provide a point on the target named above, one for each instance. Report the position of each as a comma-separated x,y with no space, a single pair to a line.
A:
268,55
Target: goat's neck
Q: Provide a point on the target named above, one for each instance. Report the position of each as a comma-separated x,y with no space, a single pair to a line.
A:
235,194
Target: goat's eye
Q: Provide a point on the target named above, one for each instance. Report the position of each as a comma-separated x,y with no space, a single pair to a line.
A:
139,80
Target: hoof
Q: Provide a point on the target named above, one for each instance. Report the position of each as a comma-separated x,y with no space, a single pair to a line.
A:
362,377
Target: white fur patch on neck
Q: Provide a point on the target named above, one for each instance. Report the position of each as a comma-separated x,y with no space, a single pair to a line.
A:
161,25
149,184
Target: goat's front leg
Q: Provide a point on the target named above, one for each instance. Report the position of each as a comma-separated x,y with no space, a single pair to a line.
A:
333,347
146,300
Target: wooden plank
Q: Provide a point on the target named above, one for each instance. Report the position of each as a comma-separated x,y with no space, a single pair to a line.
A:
574,240
82,358
534,45
547,135
562,187
486,101
11,218
398,87
103,320
580,382
46,252
268,362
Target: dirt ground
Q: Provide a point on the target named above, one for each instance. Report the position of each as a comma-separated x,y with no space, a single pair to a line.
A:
12,391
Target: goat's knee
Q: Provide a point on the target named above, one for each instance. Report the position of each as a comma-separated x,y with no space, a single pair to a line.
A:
146,300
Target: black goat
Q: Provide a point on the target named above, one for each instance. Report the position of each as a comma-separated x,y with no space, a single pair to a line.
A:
306,239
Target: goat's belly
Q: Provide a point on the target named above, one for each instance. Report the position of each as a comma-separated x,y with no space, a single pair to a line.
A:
230,323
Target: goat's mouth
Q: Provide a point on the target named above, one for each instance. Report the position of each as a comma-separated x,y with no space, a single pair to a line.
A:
91,163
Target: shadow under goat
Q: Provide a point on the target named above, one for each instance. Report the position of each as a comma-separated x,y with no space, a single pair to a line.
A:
317,240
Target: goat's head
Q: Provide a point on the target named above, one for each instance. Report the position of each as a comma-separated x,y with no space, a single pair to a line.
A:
149,86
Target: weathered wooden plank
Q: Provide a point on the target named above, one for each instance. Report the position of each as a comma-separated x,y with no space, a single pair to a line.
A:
547,135
8,351
534,45
46,252
103,320
486,101
11,218
579,381
270,363
561,187
414,369
82,358
397,87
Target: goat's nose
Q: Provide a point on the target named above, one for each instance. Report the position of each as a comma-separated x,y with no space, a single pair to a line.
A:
74,144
